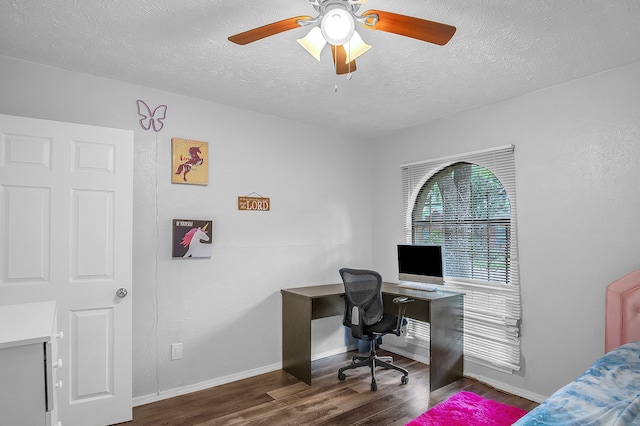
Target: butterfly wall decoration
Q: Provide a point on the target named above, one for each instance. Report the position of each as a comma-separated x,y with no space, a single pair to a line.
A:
149,119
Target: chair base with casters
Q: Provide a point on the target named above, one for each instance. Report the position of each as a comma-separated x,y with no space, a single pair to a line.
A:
373,361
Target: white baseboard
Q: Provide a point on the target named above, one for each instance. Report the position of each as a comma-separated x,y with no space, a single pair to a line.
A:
170,393
332,352
491,382
536,397
405,354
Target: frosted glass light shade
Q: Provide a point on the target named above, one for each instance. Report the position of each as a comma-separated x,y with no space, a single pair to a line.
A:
337,26
314,42
355,47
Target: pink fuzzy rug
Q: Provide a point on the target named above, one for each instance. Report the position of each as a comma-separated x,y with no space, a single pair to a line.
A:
469,409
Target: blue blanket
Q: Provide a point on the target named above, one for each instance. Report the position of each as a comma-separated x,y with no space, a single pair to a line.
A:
606,394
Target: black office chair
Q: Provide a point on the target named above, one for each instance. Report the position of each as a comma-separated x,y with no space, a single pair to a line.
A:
365,315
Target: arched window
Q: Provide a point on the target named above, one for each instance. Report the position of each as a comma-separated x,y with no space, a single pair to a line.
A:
465,208
466,204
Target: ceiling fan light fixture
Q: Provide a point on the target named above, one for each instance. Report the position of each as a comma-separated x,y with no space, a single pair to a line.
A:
355,47
337,25
313,42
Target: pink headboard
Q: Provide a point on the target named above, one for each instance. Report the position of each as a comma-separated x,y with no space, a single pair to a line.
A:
622,322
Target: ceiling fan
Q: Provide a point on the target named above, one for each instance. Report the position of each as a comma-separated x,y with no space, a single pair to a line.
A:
335,25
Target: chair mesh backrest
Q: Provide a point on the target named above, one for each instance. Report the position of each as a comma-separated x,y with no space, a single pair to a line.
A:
362,288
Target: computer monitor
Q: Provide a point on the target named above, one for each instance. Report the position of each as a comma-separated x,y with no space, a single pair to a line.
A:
420,263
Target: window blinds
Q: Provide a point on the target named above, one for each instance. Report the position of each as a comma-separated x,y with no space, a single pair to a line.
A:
472,254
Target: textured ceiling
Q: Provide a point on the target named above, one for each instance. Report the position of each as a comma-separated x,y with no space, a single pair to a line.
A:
502,49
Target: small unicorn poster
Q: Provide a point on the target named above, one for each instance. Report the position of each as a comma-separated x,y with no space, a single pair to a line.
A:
190,161
192,238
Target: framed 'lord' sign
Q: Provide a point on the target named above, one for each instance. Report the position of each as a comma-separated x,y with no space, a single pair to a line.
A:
254,203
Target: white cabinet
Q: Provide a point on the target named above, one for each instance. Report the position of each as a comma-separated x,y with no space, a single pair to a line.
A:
27,358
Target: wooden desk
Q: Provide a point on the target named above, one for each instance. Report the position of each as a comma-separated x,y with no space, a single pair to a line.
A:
441,309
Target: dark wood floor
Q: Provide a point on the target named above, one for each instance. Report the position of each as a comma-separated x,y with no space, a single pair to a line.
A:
278,398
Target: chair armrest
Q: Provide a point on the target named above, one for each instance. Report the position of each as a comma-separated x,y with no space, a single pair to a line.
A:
401,301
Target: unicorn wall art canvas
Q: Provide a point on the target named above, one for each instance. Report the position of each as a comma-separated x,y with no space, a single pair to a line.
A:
190,161
192,238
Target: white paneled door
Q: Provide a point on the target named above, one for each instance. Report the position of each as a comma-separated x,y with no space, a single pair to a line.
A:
66,194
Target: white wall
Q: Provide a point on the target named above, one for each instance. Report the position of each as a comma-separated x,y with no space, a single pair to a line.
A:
577,173
225,310
577,150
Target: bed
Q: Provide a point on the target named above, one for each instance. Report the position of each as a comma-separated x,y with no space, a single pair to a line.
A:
608,393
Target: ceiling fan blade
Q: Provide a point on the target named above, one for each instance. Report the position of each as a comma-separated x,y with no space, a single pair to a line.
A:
339,55
267,30
409,26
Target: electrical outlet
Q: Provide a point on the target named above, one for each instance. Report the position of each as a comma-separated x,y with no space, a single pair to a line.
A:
176,351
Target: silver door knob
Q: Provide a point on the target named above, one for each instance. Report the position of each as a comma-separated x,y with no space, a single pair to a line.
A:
122,292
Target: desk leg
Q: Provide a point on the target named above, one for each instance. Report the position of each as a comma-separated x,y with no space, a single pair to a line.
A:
446,342
296,336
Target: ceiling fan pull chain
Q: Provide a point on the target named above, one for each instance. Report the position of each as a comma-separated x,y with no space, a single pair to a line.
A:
349,75
335,58
335,65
